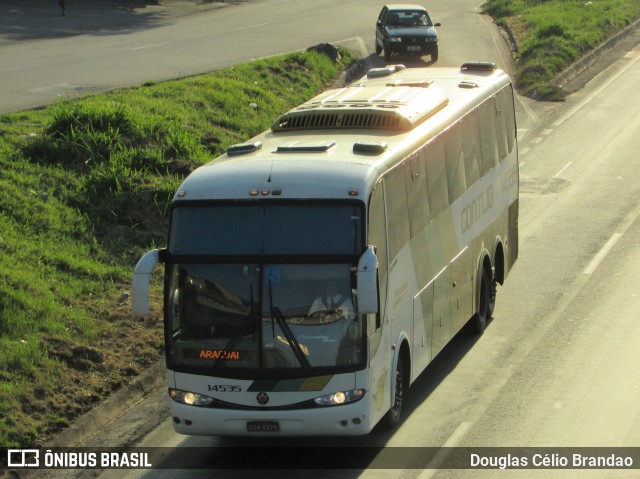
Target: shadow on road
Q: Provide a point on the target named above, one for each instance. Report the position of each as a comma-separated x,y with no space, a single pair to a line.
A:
345,457
43,19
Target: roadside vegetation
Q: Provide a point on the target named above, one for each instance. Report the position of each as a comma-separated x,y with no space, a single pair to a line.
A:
553,34
84,190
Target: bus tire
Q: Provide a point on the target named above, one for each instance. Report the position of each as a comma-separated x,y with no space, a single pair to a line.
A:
493,292
479,320
392,418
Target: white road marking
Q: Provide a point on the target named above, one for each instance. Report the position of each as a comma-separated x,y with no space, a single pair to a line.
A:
602,254
250,26
604,251
441,455
155,45
557,175
573,111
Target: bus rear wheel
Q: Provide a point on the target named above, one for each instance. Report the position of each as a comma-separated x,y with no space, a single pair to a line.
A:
392,417
485,304
493,292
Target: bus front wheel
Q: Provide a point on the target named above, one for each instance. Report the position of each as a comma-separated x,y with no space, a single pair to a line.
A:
393,415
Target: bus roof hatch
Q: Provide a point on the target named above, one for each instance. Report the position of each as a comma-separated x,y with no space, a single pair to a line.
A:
395,106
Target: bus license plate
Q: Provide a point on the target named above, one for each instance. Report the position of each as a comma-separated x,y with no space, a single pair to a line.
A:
412,48
263,426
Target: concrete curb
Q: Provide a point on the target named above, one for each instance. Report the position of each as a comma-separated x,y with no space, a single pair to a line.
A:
109,410
590,58
105,413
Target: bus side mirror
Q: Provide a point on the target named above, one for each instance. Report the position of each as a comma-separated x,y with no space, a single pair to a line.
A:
140,284
368,282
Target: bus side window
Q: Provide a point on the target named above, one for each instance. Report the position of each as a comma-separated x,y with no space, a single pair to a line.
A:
471,147
501,132
378,238
397,214
417,197
454,158
488,144
509,117
173,301
433,157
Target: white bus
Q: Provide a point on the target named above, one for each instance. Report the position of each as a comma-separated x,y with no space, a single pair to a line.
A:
312,273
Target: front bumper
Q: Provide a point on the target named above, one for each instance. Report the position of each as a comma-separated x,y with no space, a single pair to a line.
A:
348,420
412,48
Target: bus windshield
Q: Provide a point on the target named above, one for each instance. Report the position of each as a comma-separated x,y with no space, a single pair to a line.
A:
231,310
266,317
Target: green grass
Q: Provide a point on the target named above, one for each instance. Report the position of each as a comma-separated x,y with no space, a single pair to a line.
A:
552,34
84,190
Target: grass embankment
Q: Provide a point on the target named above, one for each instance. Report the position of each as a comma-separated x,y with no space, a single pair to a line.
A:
84,188
552,34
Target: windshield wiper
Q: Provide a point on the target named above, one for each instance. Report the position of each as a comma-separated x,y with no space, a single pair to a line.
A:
244,329
288,334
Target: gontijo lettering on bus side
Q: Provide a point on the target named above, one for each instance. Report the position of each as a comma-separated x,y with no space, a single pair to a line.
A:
484,201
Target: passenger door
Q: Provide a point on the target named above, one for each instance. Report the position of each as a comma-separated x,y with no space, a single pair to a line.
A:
462,272
441,319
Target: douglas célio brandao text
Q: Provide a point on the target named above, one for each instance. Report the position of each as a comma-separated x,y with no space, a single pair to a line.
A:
550,460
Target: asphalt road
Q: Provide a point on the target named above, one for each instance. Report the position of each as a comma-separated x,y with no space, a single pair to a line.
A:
100,45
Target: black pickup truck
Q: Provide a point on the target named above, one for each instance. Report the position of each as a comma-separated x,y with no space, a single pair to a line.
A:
406,30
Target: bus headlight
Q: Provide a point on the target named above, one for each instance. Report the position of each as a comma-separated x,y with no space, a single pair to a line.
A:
340,398
189,398
395,39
